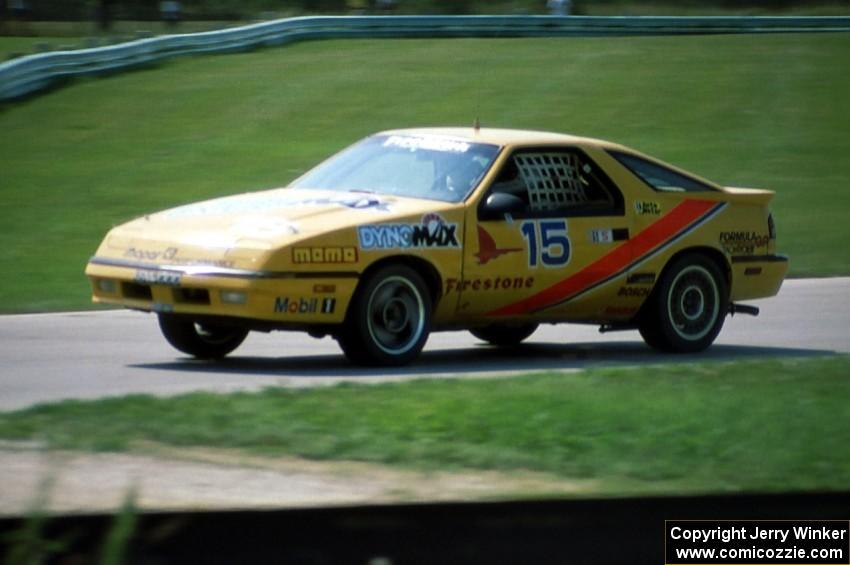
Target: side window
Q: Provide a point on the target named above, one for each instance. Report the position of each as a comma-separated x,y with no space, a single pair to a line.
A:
558,182
658,177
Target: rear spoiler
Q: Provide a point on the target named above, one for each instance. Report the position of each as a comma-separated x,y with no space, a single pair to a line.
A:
758,196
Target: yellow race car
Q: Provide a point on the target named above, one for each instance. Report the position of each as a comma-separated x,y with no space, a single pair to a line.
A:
413,231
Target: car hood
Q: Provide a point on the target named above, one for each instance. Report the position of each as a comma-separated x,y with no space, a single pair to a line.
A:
237,230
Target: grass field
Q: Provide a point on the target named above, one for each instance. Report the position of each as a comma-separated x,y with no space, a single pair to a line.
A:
765,111
713,427
11,47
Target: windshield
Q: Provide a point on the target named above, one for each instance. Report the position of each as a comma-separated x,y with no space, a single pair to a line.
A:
418,166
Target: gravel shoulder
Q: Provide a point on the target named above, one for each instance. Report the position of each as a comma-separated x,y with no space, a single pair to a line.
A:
65,482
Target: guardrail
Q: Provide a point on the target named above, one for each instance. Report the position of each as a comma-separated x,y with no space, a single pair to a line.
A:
32,73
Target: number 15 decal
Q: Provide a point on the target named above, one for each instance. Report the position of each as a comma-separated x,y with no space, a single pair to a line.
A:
548,242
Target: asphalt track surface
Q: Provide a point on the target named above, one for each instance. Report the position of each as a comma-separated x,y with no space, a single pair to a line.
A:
84,355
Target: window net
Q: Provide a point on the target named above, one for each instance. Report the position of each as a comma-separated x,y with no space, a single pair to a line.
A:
553,180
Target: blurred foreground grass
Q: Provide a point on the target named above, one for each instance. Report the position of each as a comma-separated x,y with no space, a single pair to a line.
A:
778,425
764,111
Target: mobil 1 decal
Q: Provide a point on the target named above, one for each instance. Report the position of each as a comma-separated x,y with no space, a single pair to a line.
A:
547,242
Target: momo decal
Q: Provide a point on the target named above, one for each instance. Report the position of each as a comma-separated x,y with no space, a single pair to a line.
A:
742,242
494,283
487,249
286,305
324,255
432,231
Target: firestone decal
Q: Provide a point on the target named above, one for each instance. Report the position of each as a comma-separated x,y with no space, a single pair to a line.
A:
496,283
432,231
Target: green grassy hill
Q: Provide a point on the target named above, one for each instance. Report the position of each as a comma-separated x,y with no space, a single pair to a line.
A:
760,111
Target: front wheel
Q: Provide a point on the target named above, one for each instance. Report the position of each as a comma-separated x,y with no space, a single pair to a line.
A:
504,335
201,340
389,319
687,310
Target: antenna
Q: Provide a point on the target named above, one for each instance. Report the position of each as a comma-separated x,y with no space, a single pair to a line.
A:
476,125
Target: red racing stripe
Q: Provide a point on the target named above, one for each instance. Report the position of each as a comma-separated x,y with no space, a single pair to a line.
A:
650,238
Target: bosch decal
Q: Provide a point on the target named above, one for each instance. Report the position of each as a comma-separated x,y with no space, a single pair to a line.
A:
432,232
634,291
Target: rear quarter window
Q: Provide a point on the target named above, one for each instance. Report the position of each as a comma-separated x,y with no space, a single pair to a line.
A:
658,177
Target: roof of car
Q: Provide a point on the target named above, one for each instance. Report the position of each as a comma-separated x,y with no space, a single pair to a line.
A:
503,136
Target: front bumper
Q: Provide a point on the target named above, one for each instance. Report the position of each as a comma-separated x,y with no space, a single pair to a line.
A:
280,298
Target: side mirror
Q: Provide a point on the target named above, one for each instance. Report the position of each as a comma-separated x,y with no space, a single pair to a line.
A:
499,204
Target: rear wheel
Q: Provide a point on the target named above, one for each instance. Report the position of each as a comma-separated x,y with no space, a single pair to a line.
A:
687,310
504,335
389,319
202,340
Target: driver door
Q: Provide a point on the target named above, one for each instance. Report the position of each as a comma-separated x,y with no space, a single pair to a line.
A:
537,239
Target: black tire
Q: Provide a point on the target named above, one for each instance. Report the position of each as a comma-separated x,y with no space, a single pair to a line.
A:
504,335
389,319
201,340
687,310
